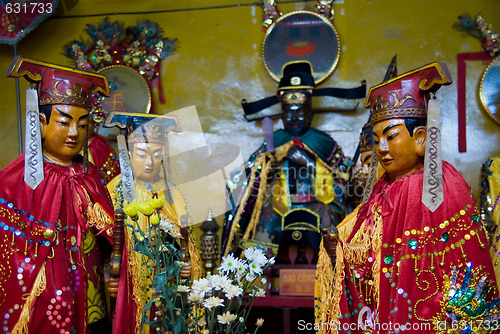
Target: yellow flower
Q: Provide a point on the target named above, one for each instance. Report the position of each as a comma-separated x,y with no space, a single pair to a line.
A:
158,201
131,210
146,209
154,220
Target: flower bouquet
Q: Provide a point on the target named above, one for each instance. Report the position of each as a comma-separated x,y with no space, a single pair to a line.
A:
227,297
218,303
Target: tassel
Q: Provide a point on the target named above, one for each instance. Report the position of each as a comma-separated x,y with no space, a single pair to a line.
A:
39,286
33,160
128,185
432,193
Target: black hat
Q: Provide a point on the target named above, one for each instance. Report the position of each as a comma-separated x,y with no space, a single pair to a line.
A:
297,75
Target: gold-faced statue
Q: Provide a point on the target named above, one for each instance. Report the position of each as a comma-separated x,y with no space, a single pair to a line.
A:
63,132
399,152
146,161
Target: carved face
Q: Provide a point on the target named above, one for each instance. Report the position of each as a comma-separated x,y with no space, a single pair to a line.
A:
146,161
297,111
366,158
64,136
399,153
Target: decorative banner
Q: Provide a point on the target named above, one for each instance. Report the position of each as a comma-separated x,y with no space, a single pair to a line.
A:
20,18
33,161
128,186
432,192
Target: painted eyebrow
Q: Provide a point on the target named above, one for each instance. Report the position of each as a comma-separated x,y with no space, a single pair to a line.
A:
389,127
147,150
69,116
367,157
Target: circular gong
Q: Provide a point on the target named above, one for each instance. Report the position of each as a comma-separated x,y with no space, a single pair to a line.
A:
129,93
489,89
301,35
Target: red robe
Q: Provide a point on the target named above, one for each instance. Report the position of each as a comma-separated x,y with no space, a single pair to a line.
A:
42,278
104,158
397,257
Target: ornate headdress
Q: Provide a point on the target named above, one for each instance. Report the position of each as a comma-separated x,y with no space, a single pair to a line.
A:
297,75
140,128
366,138
407,95
55,84
59,84
141,47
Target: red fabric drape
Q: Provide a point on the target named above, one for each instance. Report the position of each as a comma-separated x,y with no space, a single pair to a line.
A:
45,226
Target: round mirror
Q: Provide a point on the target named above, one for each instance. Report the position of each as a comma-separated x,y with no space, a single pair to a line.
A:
129,93
301,35
489,89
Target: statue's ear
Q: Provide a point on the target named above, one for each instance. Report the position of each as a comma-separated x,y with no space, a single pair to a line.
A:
43,125
420,136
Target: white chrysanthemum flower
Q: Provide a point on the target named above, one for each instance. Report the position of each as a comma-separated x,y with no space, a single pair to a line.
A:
241,271
219,282
226,318
166,225
194,297
259,292
176,235
263,281
255,268
183,288
251,253
271,261
213,302
256,256
233,291
229,264
201,286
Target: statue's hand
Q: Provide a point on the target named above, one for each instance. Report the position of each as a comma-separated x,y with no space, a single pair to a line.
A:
330,241
186,270
301,157
113,284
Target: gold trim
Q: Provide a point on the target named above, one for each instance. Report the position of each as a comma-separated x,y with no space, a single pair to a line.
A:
398,113
313,228
481,94
322,18
109,123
